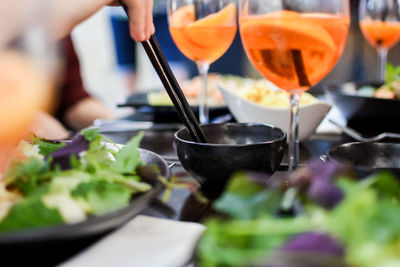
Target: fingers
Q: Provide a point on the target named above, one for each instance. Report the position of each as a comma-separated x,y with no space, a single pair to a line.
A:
149,19
140,14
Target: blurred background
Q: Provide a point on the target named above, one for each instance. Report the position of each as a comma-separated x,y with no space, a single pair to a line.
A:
113,67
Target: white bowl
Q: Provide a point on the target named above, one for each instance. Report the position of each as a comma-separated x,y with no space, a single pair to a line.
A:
246,111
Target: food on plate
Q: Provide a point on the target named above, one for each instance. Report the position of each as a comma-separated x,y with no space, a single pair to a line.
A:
389,90
49,183
258,91
191,89
267,94
325,218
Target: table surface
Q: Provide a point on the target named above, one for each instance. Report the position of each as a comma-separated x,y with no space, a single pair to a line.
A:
182,205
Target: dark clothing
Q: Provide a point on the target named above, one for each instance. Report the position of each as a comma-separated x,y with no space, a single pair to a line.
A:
72,89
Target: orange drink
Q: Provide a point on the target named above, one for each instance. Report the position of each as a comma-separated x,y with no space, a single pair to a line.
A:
379,23
206,39
294,50
381,34
190,41
294,44
23,91
203,30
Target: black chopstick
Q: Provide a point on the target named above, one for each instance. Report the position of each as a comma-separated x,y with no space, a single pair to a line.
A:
167,77
173,89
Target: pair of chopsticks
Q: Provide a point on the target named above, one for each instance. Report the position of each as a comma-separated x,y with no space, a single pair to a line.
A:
167,77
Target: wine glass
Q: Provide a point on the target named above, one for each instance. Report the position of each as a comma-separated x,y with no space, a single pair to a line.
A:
203,30
380,24
25,70
294,44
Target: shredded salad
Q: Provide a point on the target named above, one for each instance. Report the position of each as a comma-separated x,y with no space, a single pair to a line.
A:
49,183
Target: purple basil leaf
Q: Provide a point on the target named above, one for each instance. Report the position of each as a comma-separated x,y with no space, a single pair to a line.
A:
314,242
62,156
324,170
325,193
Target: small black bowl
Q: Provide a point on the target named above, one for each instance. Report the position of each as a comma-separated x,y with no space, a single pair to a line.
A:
367,158
231,147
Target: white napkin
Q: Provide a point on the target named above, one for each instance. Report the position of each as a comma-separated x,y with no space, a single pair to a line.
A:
326,127
144,241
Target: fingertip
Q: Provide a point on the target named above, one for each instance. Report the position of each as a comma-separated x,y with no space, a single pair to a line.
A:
138,35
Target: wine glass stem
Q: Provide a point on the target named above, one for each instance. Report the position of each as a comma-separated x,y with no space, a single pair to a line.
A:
294,131
203,105
382,52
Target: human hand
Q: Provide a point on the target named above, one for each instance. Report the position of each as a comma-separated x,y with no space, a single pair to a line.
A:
46,126
66,14
140,13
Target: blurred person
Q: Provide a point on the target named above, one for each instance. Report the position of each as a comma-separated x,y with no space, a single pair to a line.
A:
63,15
75,108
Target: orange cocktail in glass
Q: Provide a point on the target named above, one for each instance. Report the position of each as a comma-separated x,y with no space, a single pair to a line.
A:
380,25
294,44
203,32
380,34
294,50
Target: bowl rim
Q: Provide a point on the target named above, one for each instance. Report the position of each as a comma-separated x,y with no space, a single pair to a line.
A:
282,138
347,163
318,102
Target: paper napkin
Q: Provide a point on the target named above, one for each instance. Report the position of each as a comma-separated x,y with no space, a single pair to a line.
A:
144,241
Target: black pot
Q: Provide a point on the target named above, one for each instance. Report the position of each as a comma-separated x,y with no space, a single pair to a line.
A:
367,158
231,147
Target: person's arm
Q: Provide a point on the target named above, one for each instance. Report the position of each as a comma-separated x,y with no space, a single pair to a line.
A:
77,109
46,126
66,14
83,113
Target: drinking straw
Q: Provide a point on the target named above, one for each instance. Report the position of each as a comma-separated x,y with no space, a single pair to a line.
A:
167,77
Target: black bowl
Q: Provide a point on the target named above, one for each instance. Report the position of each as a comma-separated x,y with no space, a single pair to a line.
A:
367,158
364,113
231,147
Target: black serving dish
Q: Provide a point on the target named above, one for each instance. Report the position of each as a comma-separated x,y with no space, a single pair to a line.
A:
165,114
367,158
367,114
49,245
231,147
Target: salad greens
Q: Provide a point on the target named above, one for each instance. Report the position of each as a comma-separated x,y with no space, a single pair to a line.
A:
389,90
66,182
358,228
392,73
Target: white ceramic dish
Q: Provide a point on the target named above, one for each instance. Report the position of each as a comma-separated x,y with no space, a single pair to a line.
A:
246,111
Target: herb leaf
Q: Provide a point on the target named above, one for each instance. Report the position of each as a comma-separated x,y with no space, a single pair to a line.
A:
46,147
103,196
30,213
128,158
244,199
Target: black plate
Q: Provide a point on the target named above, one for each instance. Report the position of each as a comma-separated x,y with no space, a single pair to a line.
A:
367,158
93,226
364,113
140,102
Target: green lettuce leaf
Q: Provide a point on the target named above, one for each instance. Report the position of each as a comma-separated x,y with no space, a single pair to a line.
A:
128,158
30,213
28,175
244,199
102,196
392,73
91,134
47,147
